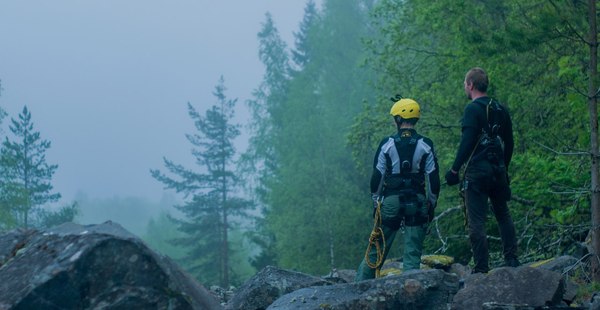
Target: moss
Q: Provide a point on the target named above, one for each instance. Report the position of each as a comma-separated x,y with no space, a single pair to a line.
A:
540,263
437,261
390,272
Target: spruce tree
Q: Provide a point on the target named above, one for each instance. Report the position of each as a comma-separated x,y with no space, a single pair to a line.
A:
24,173
308,99
301,54
2,112
210,205
259,161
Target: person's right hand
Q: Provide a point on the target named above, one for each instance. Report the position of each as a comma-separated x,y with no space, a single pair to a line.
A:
452,177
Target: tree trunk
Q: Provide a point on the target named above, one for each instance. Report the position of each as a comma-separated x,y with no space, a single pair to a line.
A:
225,250
225,245
328,224
593,109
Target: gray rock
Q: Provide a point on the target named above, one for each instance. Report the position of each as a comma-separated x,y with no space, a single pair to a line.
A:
268,285
461,270
92,267
595,301
565,265
519,286
11,242
497,306
341,276
416,289
560,264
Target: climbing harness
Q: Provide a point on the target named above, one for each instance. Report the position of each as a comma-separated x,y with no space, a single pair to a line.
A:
464,182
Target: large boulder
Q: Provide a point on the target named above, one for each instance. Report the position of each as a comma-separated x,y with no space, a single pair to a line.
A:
341,276
566,265
92,267
560,264
268,285
416,289
533,287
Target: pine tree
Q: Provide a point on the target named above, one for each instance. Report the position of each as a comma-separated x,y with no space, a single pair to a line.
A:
259,161
2,112
24,173
211,206
301,54
311,182
266,104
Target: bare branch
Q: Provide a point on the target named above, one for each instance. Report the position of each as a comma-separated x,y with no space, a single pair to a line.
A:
578,263
522,201
580,92
579,153
439,124
430,52
446,212
572,29
436,219
571,192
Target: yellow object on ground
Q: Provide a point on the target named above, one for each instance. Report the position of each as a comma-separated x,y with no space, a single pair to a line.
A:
437,261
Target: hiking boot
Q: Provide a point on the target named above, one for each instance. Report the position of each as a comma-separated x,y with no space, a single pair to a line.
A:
474,271
512,262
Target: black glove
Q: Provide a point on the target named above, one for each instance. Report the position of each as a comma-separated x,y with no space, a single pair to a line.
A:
452,178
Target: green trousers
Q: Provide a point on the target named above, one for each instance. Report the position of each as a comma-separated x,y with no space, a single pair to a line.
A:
393,212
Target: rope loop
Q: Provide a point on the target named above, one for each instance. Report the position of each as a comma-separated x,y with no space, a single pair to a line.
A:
377,239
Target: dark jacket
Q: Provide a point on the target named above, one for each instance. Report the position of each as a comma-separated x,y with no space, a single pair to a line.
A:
480,116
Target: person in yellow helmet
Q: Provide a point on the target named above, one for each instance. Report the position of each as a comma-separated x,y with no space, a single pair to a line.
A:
405,184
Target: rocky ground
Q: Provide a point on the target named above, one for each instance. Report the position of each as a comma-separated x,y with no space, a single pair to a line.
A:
105,267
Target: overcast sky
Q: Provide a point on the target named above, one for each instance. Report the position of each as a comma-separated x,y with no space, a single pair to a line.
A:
107,82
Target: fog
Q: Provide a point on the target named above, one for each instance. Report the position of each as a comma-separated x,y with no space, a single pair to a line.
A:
107,82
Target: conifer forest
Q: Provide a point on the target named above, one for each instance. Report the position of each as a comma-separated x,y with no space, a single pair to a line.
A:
298,197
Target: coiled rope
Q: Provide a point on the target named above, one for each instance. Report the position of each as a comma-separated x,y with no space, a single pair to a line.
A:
376,239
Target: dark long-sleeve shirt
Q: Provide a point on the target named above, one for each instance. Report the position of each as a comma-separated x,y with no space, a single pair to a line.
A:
475,117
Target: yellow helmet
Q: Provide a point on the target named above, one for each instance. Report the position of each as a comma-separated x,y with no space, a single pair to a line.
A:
406,108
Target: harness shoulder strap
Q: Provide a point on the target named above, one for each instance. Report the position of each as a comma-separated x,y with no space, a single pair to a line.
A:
406,145
490,144
492,114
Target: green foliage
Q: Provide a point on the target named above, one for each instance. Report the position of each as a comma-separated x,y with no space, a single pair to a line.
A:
160,233
585,291
536,62
211,207
65,214
133,213
312,182
264,243
242,268
2,112
318,120
24,175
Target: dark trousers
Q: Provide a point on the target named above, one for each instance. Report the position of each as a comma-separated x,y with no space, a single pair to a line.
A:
483,182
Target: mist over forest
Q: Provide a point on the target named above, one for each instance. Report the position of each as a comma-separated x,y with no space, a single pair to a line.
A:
280,176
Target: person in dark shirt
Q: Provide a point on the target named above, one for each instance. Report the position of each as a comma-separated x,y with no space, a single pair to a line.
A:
404,185
486,148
